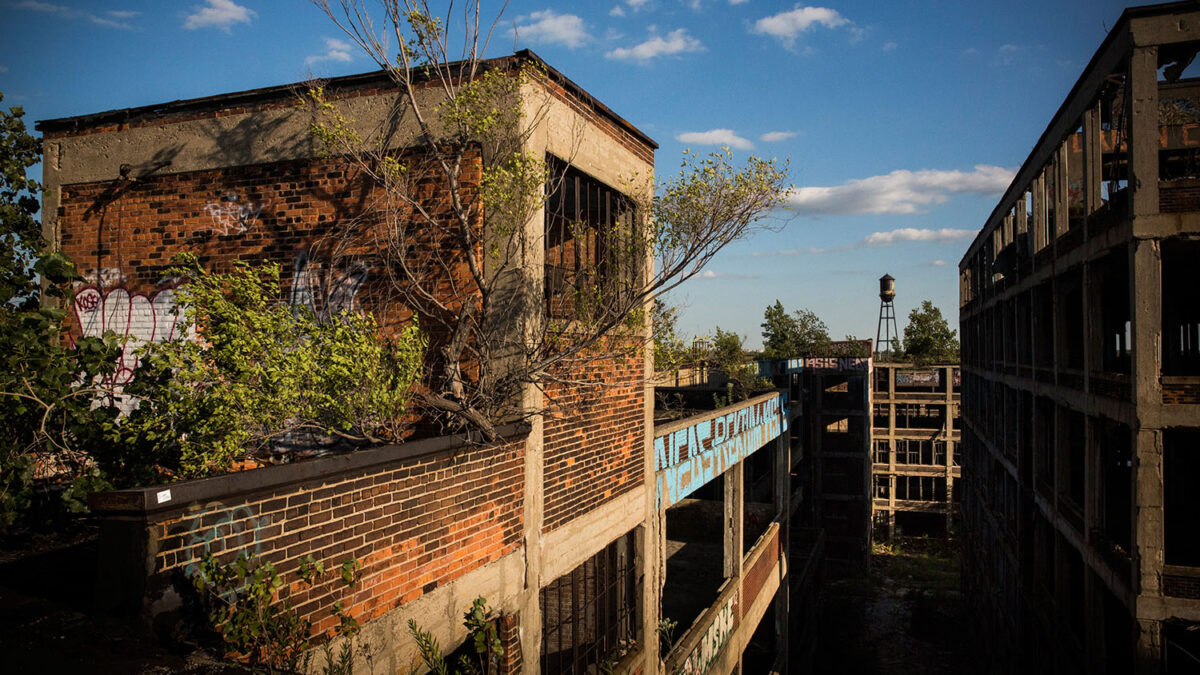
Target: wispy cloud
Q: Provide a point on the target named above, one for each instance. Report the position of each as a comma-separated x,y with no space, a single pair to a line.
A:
879,239
898,192
738,2
715,137
787,26
336,50
944,235
110,20
123,14
616,11
676,42
221,14
776,136
3,69
637,4
550,27
889,46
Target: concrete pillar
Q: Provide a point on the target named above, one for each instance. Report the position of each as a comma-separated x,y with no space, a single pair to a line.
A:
1092,155
1141,87
735,493
1062,194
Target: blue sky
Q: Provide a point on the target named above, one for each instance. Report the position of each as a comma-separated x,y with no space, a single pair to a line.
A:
903,121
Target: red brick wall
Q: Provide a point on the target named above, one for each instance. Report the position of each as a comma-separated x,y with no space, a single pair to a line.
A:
1180,392
594,438
413,526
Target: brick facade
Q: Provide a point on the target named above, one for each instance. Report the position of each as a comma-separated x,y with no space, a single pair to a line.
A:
413,523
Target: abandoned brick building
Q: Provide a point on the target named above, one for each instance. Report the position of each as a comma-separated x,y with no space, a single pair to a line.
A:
914,448
563,525
1080,373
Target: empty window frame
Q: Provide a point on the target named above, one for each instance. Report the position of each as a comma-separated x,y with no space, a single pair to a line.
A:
593,253
921,488
1180,311
589,613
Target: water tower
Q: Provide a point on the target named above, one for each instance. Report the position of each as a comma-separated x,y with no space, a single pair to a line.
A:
887,338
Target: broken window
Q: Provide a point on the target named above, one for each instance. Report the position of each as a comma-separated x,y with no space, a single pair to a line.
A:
1116,468
1180,311
592,254
1181,510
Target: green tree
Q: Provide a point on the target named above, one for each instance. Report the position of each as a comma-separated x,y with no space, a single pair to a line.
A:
489,110
789,336
262,371
670,351
47,385
927,337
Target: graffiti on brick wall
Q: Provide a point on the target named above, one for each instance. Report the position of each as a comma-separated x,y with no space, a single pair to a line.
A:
689,457
231,215
325,291
703,655
238,529
136,317
105,276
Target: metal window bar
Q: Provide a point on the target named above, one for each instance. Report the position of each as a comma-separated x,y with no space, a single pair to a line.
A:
588,235
601,604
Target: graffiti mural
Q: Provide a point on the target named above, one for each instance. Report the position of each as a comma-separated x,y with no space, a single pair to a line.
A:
689,457
137,317
230,215
324,291
703,655
238,529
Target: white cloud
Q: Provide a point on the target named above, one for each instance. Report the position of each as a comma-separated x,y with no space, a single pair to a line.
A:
71,13
676,42
3,69
942,236
788,25
636,4
710,274
616,11
775,136
123,14
218,14
877,239
335,50
889,46
716,137
738,2
549,27
898,192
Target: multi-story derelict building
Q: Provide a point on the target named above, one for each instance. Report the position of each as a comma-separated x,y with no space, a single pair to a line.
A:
914,448
1081,373
571,525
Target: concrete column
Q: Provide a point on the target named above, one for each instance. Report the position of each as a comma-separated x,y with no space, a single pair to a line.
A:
1092,155
1062,195
534,505
1141,87
735,493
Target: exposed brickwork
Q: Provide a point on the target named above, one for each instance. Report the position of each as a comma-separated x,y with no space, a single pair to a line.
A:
1179,196
1178,586
594,447
413,527
510,637
1177,393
